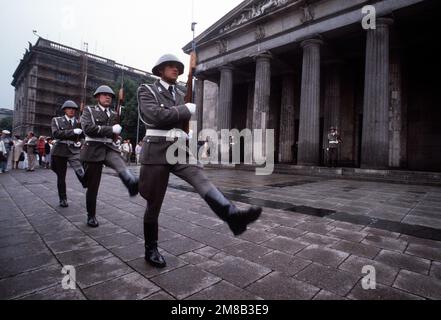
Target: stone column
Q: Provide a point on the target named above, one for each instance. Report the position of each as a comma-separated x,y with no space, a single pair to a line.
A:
287,121
225,97
375,141
250,106
262,91
309,127
199,101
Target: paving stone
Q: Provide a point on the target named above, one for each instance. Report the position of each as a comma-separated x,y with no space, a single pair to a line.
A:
84,256
16,265
256,236
357,249
277,286
348,235
330,279
380,232
97,272
319,228
323,255
132,286
185,281
23,249
385,243
380,292
238,271
326,295
193,258
435,270
318,239
223,291
30,282
286,245
424,252
56,293
385,274
288,232
418,284
117,240
71,244
207,251
130,252
283,263
248,251
161,295
181,245
404,261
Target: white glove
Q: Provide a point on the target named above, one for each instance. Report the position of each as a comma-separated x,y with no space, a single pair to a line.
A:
78,131
117,129
191,107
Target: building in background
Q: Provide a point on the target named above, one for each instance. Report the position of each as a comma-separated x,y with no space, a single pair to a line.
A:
5,113
51,73
302,66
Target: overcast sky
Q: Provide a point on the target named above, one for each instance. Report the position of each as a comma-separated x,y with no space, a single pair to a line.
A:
132,32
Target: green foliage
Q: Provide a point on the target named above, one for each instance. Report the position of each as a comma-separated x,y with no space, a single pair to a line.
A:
6,124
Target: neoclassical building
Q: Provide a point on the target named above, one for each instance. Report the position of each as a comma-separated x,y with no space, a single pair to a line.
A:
302,66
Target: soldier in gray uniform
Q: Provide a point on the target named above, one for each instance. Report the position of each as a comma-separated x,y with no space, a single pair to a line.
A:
164,113
69,137
100,126
333,143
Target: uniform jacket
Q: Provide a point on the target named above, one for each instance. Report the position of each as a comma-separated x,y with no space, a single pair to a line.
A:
63,131
97,125
332,139
160,111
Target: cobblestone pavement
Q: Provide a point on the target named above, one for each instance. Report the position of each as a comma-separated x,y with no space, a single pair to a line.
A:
312,242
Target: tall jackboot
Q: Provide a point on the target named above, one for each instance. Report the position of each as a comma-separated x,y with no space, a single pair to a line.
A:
81,175
152,254
63,201
236,219
130,181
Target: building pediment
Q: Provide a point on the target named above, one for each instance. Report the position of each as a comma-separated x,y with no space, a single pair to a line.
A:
246,13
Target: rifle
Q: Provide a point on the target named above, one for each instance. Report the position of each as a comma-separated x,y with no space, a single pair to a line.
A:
118,111
193,61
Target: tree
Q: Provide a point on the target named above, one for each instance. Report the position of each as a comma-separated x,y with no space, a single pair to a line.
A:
6,124
129,114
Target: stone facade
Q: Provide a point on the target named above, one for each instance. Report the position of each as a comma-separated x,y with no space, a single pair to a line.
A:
299,67
51,73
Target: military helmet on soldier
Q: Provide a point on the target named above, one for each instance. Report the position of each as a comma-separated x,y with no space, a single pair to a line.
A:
104,89
167,58
69,104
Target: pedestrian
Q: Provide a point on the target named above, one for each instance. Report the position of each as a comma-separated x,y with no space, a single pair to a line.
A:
333,143
100,127
165,115
30,144
41,149
47,150
125,151
67,130
18,154
8,144
3,156
138,149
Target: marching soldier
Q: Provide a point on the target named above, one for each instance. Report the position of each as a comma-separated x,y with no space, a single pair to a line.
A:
100,126
69,137
164,113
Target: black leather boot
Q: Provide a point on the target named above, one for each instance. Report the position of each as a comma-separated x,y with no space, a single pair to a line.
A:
81,177
130,181
92,221
63,201
236,219
152,254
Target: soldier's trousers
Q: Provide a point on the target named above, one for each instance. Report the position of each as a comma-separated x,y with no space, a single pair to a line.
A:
93,177
153,182
333,154
59,166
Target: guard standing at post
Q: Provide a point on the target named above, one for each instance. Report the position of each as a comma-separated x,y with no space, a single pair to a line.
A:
334,141
164,114
69,138
100,127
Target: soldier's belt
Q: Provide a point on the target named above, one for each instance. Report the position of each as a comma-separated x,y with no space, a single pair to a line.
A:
335,142
172,134
69,142
103,140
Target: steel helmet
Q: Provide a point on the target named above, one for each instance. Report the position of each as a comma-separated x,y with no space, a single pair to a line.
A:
104,89
165,59
69,104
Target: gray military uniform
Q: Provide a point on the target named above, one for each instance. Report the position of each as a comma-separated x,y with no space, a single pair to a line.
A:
98,150
66,150
160,111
